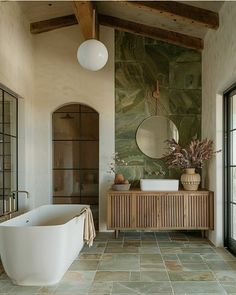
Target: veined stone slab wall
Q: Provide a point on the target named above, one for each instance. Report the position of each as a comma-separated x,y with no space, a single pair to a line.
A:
139,63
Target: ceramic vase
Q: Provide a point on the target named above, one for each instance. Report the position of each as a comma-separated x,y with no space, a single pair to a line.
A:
119,178
190,180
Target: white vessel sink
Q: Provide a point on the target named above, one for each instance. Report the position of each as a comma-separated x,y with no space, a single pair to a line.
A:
159,184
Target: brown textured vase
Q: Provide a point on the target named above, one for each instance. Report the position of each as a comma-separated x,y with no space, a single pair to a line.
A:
119,178
190,180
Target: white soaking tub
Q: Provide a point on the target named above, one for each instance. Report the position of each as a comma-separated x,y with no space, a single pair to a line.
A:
39,246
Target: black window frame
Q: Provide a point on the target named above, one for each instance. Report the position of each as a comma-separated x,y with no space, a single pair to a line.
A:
228,93
5,90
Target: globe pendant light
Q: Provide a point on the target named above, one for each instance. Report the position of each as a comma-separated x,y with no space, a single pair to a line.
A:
92,54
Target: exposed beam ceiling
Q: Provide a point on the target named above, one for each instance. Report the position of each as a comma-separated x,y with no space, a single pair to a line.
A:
169,21
152,32
123,25
84,14
179,12
52,24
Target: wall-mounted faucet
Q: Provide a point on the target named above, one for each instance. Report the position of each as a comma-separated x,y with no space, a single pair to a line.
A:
17,191
11,202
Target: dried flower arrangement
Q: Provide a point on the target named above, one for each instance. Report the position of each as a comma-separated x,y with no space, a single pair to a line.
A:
116,160
194,155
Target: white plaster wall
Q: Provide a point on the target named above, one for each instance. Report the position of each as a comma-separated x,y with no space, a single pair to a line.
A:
61,80
17,73
218,73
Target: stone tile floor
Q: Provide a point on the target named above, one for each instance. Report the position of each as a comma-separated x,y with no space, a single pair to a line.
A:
143,263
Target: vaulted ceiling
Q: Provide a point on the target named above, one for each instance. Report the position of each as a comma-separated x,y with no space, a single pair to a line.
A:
179,22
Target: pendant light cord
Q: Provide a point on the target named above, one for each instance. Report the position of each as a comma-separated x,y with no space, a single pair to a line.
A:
94,24
156,95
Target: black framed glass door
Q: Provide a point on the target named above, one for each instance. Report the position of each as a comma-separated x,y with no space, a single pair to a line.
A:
230,168
76,157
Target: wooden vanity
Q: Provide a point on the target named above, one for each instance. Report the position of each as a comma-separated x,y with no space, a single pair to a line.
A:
144,210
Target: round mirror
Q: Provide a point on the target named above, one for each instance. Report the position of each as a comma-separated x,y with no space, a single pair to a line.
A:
152,134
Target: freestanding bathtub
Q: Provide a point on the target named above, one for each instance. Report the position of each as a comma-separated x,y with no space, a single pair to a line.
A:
39,246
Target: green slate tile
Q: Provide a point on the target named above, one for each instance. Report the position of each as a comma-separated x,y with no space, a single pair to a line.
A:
100,288
175,250
126,250
187,257
150,258
148,244
191,276
88,265
174,266
149,276
197,287
218,265
89,256
198,250
149,250
175,244
141,287
7,286
230,287
119,262
225,276
106,276
78,276
170,257
211,256
153,276
195,266
75,288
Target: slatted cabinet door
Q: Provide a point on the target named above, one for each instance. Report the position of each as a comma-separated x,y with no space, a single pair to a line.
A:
171,208
120,211
198,211
147,211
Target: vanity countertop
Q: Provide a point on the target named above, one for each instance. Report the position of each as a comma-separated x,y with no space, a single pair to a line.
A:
136,191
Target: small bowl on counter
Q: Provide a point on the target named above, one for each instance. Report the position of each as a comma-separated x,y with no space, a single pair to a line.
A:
121,187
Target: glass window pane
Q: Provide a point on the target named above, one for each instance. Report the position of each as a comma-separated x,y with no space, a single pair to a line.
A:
1,119
10,104
233,183
10,153
1,193
86,109
233,221
71,108
233,112
89,126
89,184
66,200
10,172
9,182
66,154
89,154
233,147
66,126
66,183
1,152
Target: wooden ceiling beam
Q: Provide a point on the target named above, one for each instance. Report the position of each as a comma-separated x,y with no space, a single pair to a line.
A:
84,14
152,32
53,24
179,11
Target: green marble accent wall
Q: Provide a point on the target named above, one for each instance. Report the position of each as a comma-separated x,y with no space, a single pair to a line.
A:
139,63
